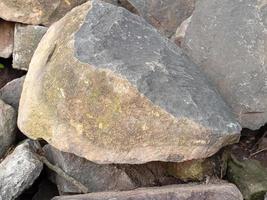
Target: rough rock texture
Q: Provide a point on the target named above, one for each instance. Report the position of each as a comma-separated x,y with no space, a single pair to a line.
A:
175,192
105,177
36,11
11,92
165,15
6,38
228,40
249,176
8,121
26,40
193,170
124,93
19,170
179,35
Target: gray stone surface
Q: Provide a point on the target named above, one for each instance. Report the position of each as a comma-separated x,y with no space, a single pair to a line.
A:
11,92
175,192
26,39
19,170
125,93
105,177
6,38
8,121
165,15
228,40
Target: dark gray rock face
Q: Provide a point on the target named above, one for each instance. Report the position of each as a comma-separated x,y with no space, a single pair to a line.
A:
165,15
8,121
19,170
175,192
104,177
132,97
11,92
26,40
227,39
157,68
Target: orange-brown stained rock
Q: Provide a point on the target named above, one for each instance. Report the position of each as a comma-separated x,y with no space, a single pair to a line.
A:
98,114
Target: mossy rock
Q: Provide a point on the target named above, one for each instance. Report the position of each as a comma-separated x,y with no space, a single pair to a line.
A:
249,176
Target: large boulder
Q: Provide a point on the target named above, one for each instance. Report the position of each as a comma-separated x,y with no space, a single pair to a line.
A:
8,121
11,92
105,85
26,38
223,191
19,170
6,38
102,177
36,11
165,15
227,39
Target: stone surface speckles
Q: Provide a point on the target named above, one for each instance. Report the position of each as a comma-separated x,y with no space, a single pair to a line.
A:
228,40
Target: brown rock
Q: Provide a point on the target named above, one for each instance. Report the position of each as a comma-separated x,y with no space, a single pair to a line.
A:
6,38
222,191
105,85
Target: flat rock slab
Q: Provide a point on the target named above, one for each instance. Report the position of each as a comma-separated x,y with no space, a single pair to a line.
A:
26,38
19,170
6,38
8,121
165,15
173,192
228,40
11,92
105,177
105,85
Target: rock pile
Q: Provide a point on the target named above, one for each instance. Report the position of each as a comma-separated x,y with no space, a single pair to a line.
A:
132,99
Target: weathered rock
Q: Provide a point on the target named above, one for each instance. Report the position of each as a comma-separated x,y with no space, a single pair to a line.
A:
265,198
102,177
227,39
27,38
6,38
249,176
19,170
179,35
165,15
174,192
105,85
36,11
8,121
11,92
193,170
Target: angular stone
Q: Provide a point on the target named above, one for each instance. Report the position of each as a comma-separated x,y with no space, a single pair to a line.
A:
179,35
222,191
11,92
105,85
102,177
6,38
38,12
165,15
19,170
228,40
27,38
8,121
249,176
